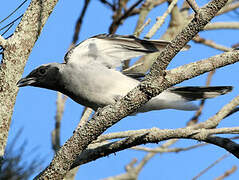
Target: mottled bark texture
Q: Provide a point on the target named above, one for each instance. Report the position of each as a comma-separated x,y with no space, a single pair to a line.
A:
154,84
16,51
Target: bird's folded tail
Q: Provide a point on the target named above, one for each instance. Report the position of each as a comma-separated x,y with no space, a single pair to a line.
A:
180,97
192,93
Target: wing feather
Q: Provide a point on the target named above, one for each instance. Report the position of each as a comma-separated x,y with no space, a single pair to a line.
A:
112,50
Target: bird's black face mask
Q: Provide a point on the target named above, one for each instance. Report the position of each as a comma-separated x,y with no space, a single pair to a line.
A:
44,76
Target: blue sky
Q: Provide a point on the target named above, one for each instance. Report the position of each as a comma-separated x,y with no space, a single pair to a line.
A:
35,108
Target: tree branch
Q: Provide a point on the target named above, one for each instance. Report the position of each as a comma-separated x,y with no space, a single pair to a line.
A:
14,59
79,22
160,20
115,24
222,25
156,135
216,119
211,165
193,5
154,84
210,43
227,173
228,8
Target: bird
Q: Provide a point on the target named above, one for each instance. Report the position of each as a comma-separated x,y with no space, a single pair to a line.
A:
90,77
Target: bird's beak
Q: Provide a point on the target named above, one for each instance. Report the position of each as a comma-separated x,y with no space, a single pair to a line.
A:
27,81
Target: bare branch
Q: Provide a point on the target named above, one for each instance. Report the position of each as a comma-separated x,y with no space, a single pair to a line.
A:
139,31
85,117
117,135
216,119
227,173
15,56
222,25
235,45
108,4
228,8
156,135
166,150
115,24
212,165
144,10
193,5
55,135
210,43
150,155
79,22
160,20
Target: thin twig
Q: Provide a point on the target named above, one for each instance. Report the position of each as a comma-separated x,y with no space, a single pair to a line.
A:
210,166
60,105
227,173
139,31
79,23
85,116
155,4
144,11
235,45
166,150
112,6
193,5
161,20
228,8
117,22
221,114
210,43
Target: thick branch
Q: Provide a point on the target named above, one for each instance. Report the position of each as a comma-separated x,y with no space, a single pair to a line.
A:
228,8
15,55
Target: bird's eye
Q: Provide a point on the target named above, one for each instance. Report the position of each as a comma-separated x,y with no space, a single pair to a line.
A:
42,71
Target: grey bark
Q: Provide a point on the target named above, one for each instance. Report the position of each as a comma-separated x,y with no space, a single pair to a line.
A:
16,52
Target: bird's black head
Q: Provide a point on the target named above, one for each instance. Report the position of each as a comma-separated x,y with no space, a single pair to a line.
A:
46,76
